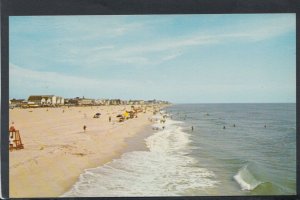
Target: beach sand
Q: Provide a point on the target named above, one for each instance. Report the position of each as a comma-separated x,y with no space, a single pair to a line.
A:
57,150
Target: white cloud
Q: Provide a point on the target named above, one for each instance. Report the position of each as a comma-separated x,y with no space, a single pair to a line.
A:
261,30
89,46
171,56
248,32
24,81
101,48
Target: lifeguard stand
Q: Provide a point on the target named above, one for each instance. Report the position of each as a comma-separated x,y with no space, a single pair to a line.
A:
16,139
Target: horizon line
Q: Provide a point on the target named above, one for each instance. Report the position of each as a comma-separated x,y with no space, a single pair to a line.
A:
235,103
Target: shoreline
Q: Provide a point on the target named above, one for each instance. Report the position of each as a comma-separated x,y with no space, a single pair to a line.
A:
54,157
137,142
132,143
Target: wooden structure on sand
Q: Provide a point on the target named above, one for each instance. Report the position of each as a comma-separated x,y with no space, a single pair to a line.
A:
15,140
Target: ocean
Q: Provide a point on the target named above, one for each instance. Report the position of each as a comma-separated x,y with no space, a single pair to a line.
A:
233,149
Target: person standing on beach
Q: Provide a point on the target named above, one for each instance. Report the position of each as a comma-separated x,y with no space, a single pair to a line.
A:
11,144
109,119
84,128
12,128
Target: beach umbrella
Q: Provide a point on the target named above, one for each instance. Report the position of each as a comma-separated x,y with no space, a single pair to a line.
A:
97,115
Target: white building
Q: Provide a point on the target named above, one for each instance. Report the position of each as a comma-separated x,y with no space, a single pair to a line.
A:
46,100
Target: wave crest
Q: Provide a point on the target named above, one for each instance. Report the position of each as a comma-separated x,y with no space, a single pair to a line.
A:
246,179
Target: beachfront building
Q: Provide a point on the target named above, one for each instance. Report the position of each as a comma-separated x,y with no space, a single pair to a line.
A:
99,102
80,102
106,102
141,102
124,102
151,101
16,103
86,102
154,101
162,102
115,102
60,100
46,100
71,102
136,102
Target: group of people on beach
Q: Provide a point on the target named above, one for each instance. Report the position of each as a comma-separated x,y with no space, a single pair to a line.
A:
84,126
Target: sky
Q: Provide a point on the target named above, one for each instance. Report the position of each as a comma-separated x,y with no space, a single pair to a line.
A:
231,58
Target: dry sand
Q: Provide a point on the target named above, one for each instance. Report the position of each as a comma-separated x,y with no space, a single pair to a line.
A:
57,150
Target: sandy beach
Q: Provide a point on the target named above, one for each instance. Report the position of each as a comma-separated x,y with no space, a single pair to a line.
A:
57,150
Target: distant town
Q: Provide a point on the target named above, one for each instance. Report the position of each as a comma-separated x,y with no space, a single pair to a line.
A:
35,101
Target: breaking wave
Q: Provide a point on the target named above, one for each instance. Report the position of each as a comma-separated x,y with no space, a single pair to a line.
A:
165,170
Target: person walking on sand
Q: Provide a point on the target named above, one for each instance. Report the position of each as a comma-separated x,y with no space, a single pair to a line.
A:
84,128
109,119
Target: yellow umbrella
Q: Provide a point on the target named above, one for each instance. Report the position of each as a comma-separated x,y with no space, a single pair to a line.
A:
126,114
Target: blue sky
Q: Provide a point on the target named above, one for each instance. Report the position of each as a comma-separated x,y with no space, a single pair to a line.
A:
231,58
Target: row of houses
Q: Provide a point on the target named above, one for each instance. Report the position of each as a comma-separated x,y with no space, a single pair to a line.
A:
52,100
89,102
44,100
85,101
38,101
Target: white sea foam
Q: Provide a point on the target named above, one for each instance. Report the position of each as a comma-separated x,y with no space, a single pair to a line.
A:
164,170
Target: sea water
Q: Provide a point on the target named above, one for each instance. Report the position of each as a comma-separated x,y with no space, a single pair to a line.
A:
233,149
